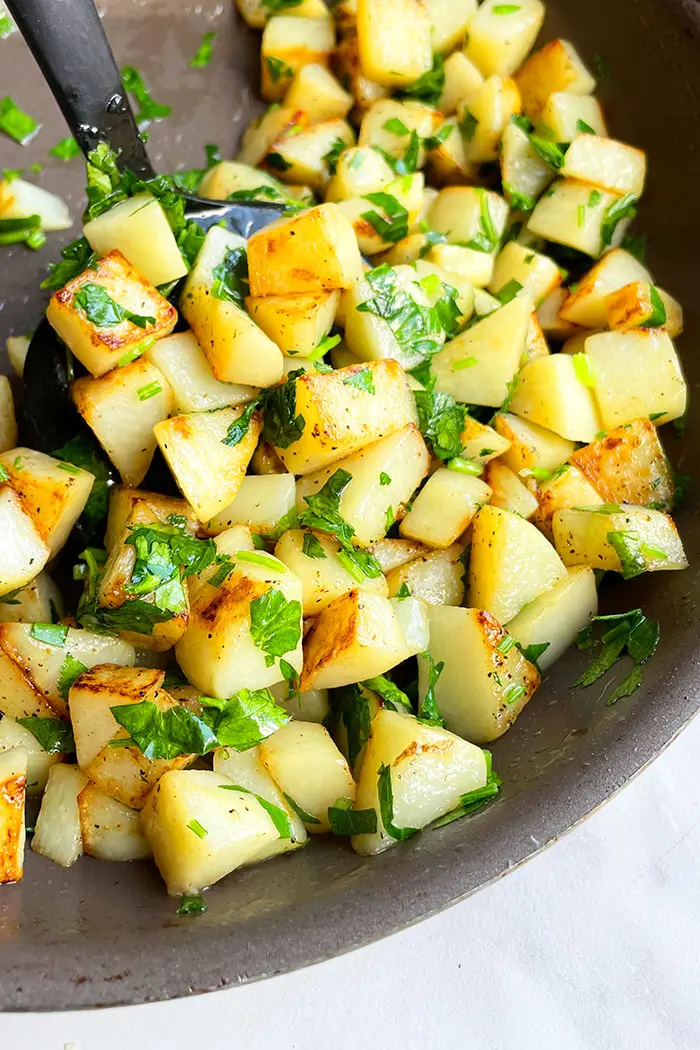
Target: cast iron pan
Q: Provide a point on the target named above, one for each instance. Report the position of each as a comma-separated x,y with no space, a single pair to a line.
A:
102,934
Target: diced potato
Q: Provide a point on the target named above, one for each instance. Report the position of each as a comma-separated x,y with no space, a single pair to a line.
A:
230,177
487,117
297,323
194,386
567,489
448,22
8,422
257,12
361,635
323,579
17,347
42,663
266,461
261,503
101,347
309,769
508,491
537,274
288,43
110,830
499,40
458,212
573,214
643,305
436,577
39,761
553,325
236,349
13,786
523,171
557,615
139,229
272,126
550,394
121,772
360,170
481,443
587,305
556,67
563,114
39,602
23,553
463,82
605,163
531,446
511,563
122,408
217,653
57,834
444,508
649,539
336,414
484,703
465,263
208,471
429,770
20,199
637,373
536,344
246,770
313,706
407,192
347,66
384,474
54,493
392,554
388,125
394,41
318,93
308,156
628,465
152,506
448,160
477,365
314,251
201,828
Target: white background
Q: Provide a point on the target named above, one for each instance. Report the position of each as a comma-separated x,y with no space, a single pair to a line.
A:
592,945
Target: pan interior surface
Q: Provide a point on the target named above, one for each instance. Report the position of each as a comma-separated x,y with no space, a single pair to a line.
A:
106,934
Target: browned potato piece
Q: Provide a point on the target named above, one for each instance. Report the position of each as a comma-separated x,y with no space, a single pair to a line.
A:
123,501
568,489
13,786
628,465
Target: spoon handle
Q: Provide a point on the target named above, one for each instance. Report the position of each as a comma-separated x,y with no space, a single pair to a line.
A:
71,48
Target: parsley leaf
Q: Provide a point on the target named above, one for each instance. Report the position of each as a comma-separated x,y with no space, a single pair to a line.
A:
362,380
231,277
429,711
417,329
84,452
487,239
473,800
308,818
16,123
203,54
350,708
533,652
275,624
282,426
70,670
620,209
102,311
53,734
394,227
239,428
277,69
191,905
311,547
631,631
627,547
277,815
333,156
322,513
430,85
385,792
391,696
75,257
384,478
148,108
50,633
66,149
344,820
441,421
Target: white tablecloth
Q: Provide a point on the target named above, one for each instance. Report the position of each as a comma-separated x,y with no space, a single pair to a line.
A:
592,945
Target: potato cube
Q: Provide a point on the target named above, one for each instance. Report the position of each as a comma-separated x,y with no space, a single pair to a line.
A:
531,446
463,82
511,563
448,22
384,476
208,471
360,170
219,653
288,43
444,508
628,465
39,761
499,40
551,322
481,443
13,786
629,540
536,274
304,707
406,192
23,553
195,389
556,67
508,491
482,705
429,769
272,126
563,114
17,348
557,615
57,834
39,602
486,117
323,575
151,507
477,365
54,493
20,199
309,769
102,331
297,323
236,349
551,394
568,488
8,422
308,157
393,553
138,228
123,773
588,304
524,173
121,409
346,64
465,263
262,503
448,159
110,830
201,828
637,373
605,163
643,305
460,212
317,91
338,416
389,126
575,215
361,635
435,576
394,41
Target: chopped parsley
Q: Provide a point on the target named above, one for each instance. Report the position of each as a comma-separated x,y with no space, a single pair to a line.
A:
384,478
487,238
394,227
203,54
231,277
16,123
192,905
441,421
102,311
54,735
344,820
240,427
145,393
631,632
333,155
70,670
323,513
277,815
148,108
623,208
282,425
311,547
473,800
307,818
84,452
430,85
361,380
508,292
391,696
66,149
277,69
75,257
50,633
428,710
275,623
385,793
26,230
196,827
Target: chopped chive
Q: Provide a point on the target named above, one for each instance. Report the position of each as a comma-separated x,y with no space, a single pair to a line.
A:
513,693
50,633
265,560
583,368
464,466
197,828
136,351
149,390
464,362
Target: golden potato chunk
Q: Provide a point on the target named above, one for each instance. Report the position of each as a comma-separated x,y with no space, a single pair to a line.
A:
628,465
